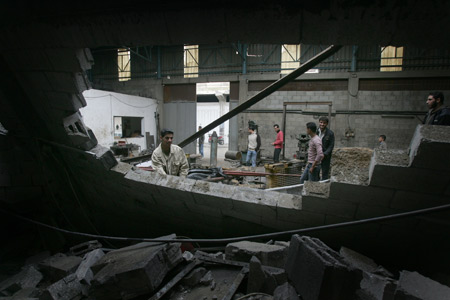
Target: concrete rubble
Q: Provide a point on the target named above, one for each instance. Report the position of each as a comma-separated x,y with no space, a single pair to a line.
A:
304,268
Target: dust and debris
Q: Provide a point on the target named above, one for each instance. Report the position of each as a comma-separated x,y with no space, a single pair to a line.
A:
392,157
351,165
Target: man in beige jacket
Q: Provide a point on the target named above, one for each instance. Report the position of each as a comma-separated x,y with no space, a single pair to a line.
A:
169,159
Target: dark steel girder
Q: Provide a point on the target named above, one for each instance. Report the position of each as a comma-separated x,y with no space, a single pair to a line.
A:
264,93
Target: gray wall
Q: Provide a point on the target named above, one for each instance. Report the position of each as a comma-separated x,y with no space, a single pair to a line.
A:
181,118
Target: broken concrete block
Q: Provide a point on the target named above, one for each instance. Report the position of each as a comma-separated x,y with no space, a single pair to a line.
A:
84,248
59,266
193,278
208,279
25,294
412,286
256,276
285,292
132,271
375,287
364,263
318,272
269,255
84,272
263,279
29,277
65,289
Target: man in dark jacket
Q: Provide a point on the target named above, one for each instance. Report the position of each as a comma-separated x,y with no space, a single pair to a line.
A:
438,114
327,137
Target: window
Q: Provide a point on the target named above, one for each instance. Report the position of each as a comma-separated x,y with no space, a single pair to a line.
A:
123,63
290,58
126,127
191,61
391,56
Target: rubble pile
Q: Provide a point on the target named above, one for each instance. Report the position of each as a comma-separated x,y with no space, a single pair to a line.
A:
304,268
351,165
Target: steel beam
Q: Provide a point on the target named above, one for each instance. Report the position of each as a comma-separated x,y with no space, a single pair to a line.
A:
264,93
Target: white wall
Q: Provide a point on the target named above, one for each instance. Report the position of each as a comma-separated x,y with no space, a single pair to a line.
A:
103,106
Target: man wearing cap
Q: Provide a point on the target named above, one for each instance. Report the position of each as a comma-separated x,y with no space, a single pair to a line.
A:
168,158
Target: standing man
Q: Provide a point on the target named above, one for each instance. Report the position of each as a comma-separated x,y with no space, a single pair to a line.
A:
254,142
327,137
438,114
278,143
169,159
201,141
382,140
315,154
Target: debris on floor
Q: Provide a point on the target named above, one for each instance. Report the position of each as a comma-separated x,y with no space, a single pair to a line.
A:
304,268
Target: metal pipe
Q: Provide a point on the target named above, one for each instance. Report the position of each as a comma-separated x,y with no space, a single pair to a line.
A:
264,93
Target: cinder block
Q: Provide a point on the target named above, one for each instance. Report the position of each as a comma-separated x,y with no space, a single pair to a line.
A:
67,288
329,206
430,147
59,266
133,271
84,273
62,81
285,292
300,216
318,272
412,285
104,156
269,255
367,195
29,277
405,200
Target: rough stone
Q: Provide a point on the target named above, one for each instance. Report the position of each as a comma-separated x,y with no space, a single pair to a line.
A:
351,165
412,285
133,271
59,266
67,288
29,277
84,272
318,272
285,292
193,278
269,255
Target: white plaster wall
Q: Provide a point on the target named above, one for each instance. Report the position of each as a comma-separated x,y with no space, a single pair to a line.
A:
103,106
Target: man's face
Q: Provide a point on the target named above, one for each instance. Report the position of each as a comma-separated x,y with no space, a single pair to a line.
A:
308,131
323,125
166,140
276,128
431,102
250,131
380,139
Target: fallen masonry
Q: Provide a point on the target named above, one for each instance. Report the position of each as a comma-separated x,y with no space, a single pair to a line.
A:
303,268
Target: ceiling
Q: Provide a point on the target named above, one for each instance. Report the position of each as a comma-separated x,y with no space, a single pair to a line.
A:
346,22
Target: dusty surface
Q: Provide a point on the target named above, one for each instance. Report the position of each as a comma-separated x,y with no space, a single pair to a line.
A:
392,157
351,165
318,189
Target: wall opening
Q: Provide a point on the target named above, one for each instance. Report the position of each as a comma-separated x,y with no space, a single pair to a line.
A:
213,102
190,61
391,56
124,64
126,127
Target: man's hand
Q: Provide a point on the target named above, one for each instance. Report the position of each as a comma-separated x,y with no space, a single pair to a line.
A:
311,169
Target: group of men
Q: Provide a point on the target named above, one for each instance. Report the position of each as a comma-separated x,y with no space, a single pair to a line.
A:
171,159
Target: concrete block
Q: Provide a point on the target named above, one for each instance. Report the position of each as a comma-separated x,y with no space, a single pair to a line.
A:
412,285
194,277
430,147
62,81
318,272
29,277
368,195
269,255
376,287
300,216
84,273
59,266
285,292
67,288
133,271
211,194
329,206
65,101
410,179
104,156
406,200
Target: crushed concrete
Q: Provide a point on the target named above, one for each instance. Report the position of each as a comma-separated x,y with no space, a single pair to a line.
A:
351,165
315,272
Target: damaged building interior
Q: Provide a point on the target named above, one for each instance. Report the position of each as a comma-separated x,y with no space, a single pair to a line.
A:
79,79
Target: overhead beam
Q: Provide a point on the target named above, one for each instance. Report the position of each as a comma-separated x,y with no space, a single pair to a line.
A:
264,93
